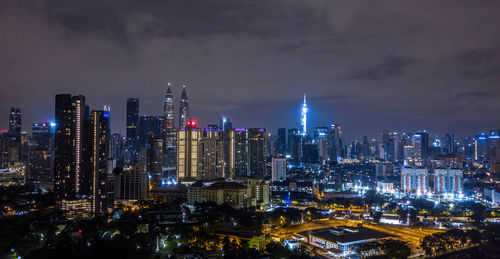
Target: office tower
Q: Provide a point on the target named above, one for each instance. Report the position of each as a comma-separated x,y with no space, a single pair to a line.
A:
449,144
99,160
168,109
448,181
188,141
183,109
425,144
257,152
421,145
335,142
15,120
225,124
278,169
311,155
480,147
414,180
154,161
150,126
170,154
296,144
131,183
390,141
281,142
212,153
321,138
365,148
117,149
70,113
132,131
405,146
40,157
237,143
303,118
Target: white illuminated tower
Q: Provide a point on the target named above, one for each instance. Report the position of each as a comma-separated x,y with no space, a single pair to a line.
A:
303,119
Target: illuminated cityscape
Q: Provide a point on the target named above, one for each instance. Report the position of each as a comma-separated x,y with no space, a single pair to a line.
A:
294,142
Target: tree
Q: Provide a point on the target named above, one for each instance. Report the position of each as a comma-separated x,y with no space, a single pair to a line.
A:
277,251
395,248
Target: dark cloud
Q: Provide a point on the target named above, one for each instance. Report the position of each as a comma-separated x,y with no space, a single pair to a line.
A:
390,67
402,65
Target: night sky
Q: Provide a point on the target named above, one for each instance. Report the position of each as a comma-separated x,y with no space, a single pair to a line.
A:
368,65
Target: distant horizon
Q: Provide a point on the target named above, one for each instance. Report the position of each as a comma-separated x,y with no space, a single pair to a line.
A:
27,129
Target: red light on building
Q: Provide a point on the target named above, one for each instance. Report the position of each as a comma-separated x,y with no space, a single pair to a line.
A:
193,124
79,231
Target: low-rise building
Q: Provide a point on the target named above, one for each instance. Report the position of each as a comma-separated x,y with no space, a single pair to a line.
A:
341,241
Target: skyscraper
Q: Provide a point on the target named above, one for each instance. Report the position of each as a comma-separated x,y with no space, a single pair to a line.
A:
257,152
154,161
68,146
212,154
170,154
40,157
132,132
99,160
281,142
183,109
15,120
390,143
188,141
237,146
335,142
168,109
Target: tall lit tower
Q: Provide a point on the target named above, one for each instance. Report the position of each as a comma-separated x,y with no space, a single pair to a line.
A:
183,109
168,109
303,119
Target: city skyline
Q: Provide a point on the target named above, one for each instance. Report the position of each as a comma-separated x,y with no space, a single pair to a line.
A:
367,78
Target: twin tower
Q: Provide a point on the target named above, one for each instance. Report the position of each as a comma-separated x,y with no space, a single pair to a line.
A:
168,109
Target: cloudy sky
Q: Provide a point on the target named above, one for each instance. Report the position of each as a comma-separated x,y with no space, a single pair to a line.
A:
368,65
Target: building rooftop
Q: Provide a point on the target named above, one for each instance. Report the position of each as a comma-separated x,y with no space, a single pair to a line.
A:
345,234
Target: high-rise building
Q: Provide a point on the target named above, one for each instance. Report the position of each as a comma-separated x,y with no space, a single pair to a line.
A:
390,141
449,144
212,153
15,120
335,142
257,152
70,113
278,171
225,124
480,147
281,142
40,157
170,154
188,144
421,145
131,183
448,181
117,149
414,180
154,160
237,146
132,131
321,138
296,145
168,109
183,109
99,160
